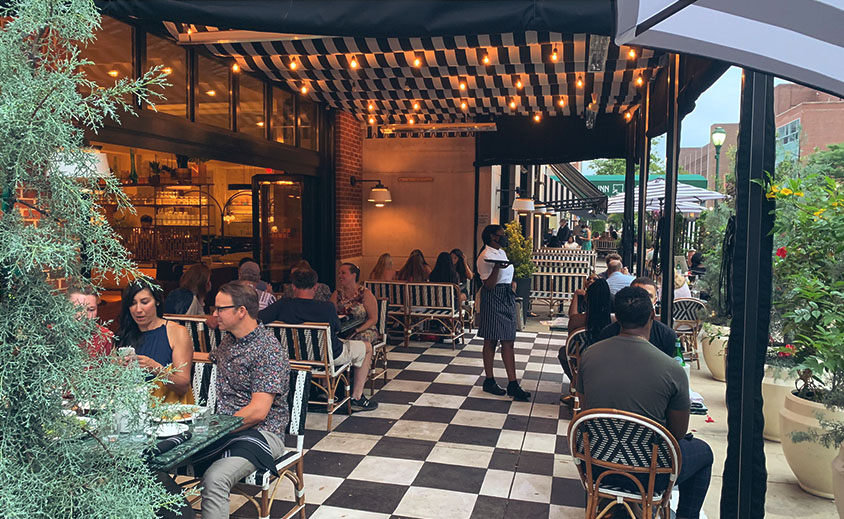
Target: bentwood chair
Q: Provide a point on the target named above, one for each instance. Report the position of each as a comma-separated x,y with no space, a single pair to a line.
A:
574,347
624,458
378,366
688,314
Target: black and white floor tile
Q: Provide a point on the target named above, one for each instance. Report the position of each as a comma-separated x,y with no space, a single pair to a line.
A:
438,446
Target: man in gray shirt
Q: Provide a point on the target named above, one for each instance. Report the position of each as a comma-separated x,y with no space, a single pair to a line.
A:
626,372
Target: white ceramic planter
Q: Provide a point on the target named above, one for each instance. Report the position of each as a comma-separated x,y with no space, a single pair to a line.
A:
715,352
838,481
776,385
809,461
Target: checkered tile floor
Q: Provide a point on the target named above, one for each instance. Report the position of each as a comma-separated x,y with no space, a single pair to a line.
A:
438,446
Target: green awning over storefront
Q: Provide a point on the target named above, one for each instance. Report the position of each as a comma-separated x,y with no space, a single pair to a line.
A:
614,184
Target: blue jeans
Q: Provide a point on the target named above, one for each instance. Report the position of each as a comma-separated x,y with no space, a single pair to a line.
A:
693,480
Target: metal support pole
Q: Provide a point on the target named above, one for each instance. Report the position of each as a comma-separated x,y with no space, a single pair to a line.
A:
672,152
717,165
629,197
644,163
744,487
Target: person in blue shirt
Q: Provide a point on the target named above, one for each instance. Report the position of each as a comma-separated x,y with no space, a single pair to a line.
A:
616,278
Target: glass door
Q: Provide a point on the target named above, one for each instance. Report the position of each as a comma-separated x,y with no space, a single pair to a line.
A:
277,223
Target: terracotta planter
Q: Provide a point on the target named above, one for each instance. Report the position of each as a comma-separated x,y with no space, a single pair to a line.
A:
809,461
775,387
838,481
715,352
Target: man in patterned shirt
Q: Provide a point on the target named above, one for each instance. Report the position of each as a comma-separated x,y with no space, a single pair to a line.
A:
253,374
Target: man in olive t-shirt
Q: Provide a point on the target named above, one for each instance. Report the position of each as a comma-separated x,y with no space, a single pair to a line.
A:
627,373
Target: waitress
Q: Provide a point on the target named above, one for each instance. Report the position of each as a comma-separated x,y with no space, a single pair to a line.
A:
497,321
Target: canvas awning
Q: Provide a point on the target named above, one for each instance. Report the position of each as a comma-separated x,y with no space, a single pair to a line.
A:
584,195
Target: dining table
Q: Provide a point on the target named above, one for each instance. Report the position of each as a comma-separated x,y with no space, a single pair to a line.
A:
348,323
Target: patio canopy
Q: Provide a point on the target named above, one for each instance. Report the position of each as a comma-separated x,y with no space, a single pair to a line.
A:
415,68
799,40
686,194
582,194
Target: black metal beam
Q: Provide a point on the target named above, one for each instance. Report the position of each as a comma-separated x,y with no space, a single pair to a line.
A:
744,487
672,153
629,186
644,164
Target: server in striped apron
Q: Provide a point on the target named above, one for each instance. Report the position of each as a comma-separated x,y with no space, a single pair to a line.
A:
497,316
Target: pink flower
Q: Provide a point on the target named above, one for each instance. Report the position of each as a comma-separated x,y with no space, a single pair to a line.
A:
781,252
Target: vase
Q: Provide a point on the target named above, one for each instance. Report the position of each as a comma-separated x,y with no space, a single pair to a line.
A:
714,348
838,480
809,461
775,387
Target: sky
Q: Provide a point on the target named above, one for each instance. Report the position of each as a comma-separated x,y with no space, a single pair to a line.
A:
719,104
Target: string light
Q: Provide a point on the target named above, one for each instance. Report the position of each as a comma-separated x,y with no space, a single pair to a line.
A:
537,117
579,82
554,55
371,119
519,84
486,59
416,105
417,62
260,123
370,106
628,115
354,62
631,53
167,70
640,80
235,68
463,105
293,65
410,120
113,73
211,93
561,102
462,85
304,89
512,104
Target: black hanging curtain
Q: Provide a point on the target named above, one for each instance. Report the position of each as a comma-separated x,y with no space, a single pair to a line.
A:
744,483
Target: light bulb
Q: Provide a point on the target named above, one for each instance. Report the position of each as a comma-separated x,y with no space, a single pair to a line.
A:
167,70
519,83
537,117
628,115
463,105
211,93
113,73
304,89
486,59
561,102
410,120
640,80
579,82
354,62
462,85
631,53
293,64
417,62
235,68
416,105
371,120
554,55
370,106
512,105
260,123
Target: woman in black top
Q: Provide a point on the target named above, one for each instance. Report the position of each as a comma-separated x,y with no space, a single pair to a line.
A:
444,271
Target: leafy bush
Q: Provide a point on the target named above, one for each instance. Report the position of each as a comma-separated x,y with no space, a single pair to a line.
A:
714,226
519,251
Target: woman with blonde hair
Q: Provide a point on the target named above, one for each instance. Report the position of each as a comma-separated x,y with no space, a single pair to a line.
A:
383,270
681,287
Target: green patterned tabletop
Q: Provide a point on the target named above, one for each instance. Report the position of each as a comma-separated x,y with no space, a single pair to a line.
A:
219,427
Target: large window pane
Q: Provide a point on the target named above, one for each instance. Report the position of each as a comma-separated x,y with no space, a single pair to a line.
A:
212,95
111,53
284,123
308,128
250,109
173,62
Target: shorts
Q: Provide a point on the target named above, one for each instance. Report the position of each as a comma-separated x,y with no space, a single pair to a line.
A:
354,352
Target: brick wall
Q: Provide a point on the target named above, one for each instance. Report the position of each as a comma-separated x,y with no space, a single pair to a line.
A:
348,143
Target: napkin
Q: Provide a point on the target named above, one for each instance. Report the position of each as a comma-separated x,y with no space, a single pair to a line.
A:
170,443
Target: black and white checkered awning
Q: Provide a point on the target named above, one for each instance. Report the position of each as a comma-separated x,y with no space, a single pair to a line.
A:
441,80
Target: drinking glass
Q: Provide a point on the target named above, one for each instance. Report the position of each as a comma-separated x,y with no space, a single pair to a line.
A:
201,420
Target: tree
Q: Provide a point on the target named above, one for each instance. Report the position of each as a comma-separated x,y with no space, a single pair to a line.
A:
52,227
619,166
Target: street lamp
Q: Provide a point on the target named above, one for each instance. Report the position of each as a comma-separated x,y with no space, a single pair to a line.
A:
719,135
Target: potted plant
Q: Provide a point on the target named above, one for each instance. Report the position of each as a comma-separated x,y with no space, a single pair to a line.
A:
716,329
810,296
519,252
777,384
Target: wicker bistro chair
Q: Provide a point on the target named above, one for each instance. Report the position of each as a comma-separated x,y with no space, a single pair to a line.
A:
688,314
378,367
625,458
555,286
204,383
434,302
309,344
395,292
574,347
204,339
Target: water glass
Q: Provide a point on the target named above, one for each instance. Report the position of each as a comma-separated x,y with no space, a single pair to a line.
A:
201,420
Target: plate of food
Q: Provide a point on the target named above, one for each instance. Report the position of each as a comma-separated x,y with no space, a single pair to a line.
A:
176,413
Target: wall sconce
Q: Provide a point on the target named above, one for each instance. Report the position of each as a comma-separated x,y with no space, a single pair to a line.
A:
378,195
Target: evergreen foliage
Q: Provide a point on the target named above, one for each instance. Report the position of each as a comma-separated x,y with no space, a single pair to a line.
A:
53,466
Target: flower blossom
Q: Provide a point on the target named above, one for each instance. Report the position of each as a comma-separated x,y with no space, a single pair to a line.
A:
781,252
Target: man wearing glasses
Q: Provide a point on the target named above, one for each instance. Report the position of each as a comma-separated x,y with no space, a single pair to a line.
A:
253,374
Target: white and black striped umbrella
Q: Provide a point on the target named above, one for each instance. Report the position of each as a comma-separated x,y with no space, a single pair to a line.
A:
441,79
686,194
800,40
